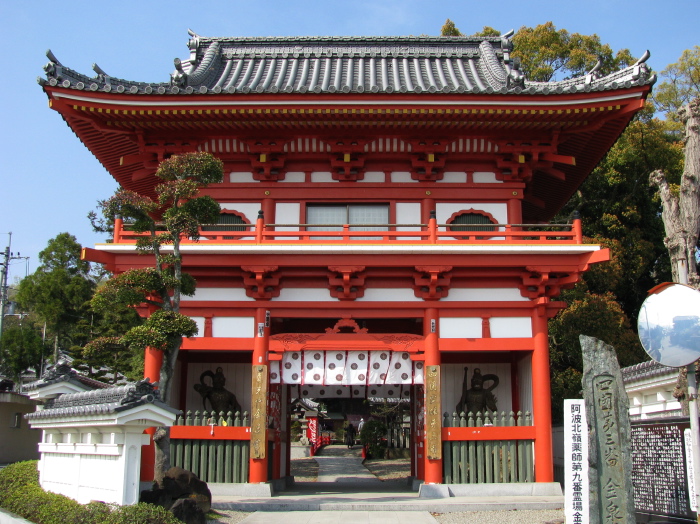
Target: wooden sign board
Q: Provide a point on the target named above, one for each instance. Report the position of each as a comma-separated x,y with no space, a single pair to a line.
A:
258,419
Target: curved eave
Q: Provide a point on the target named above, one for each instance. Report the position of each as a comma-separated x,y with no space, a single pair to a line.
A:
587,124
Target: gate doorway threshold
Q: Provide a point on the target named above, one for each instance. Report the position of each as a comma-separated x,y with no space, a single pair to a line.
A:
386,496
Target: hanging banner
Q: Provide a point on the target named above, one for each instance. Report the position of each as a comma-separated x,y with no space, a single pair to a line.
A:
258,419
433,418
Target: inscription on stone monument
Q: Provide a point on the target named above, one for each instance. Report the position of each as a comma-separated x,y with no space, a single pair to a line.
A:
613,502
607,407
659,469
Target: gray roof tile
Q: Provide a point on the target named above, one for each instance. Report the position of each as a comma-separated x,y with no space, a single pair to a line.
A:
348,65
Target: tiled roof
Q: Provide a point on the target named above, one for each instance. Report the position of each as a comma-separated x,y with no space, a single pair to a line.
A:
347,65
645,370
100,401
62,372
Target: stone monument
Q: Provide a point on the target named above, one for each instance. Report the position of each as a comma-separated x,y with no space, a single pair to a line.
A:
607,411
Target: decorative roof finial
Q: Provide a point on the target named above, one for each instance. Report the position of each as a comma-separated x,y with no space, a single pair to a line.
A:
644,58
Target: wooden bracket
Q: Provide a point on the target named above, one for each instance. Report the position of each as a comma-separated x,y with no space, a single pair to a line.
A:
432,282
346,282
263,283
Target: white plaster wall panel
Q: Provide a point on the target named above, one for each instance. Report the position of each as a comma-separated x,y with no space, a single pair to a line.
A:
453,177
291,367
314,367
400,369
275,372
419,372
460,327
389,294
248,209
378,366
356,370
238,381
241,176
218,294
452,378
402,177
445,210
294,177
485,177
376,177
236,327
288,213
200,325
408,213
485,295
511,327
322,176
99,467
313,294
335,367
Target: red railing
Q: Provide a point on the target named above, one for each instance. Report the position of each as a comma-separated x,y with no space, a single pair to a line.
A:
430,233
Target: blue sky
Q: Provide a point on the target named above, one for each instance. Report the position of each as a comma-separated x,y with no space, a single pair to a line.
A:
49,181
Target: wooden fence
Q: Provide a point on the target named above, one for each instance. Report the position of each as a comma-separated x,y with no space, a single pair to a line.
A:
487,448
214,447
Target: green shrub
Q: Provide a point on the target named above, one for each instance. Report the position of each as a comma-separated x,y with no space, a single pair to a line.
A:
373,437
20,493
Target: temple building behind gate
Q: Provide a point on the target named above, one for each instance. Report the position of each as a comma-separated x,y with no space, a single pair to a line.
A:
384,232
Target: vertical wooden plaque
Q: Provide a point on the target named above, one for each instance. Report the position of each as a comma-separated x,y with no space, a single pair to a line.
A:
433,419
258,419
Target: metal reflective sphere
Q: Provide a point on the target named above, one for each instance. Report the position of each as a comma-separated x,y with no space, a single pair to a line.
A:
669,325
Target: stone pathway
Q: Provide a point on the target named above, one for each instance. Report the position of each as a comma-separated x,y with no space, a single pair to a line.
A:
340,464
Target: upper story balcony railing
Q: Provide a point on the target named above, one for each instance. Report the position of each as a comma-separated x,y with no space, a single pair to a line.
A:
426,234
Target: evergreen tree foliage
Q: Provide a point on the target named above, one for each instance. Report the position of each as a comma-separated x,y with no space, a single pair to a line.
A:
58,291
175,214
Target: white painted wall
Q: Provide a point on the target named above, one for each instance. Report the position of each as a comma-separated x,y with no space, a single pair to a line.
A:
241,177
376,177
485,177
453,177
511,327
248,209
444,210
200,326
294,177
484,295
218,294
402,177
460,327
322,176
237,327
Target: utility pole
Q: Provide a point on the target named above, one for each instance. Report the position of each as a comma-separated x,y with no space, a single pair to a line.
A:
7,257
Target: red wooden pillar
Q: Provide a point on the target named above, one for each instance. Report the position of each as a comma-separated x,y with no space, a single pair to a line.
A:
153,360
433,468
541,396
258,467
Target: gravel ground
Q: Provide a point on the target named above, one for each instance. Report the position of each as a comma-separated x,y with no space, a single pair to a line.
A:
304,470
396,469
